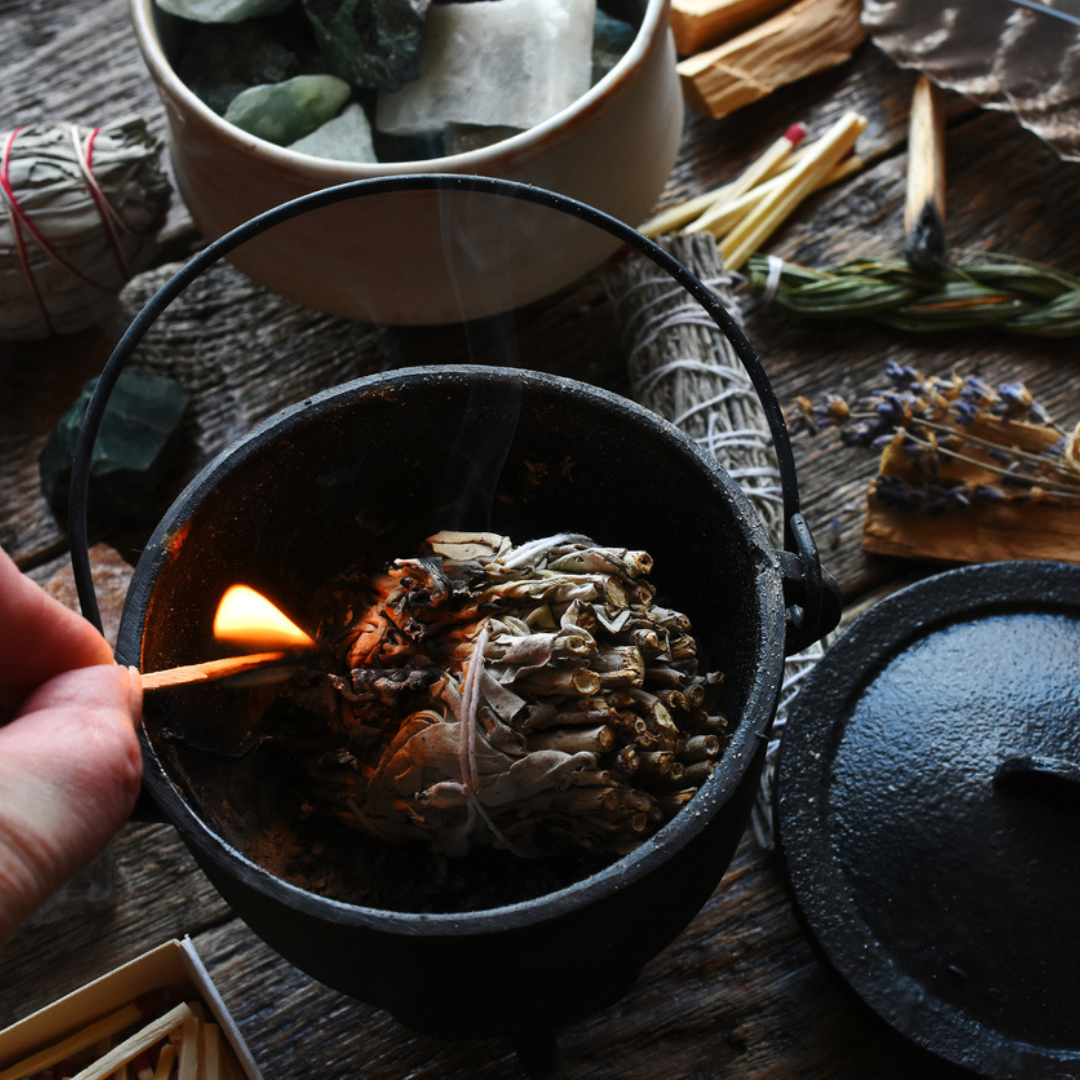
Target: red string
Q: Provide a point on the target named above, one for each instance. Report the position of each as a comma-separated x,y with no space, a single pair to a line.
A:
110,208
34,231
102,204
20,243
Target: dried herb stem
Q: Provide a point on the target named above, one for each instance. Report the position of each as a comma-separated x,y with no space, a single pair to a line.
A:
1014,477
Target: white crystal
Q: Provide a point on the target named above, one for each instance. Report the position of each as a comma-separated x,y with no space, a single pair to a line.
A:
345,138
222,11
500,63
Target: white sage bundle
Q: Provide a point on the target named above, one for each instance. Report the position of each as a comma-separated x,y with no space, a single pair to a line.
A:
82,207
533,699
683,367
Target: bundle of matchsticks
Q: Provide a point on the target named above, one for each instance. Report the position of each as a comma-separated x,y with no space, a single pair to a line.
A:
743,214
143,1040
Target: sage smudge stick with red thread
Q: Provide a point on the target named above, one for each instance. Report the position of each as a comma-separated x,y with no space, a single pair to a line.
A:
531,698
83,209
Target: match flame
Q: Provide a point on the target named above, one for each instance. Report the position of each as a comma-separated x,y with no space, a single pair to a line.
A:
247,618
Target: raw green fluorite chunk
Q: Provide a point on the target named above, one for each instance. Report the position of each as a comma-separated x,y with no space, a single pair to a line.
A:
136,443
284,112
218,61
372,43
345,138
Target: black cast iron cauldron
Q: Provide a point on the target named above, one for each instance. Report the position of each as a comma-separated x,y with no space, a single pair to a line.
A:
364,472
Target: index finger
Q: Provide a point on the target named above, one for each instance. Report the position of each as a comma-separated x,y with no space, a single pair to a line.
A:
39,637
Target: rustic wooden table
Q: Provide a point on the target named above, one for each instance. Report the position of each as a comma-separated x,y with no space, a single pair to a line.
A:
740,993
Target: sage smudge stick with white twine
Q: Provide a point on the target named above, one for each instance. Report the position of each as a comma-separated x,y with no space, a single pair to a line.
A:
82,207
981,290
683,367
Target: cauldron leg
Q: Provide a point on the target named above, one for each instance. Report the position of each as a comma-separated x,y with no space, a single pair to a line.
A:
538,1052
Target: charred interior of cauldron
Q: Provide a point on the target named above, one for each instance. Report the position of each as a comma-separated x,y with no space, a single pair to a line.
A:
533,699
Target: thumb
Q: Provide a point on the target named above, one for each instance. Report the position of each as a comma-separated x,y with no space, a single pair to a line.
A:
69,774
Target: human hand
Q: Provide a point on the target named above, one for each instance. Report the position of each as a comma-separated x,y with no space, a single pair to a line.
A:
69,760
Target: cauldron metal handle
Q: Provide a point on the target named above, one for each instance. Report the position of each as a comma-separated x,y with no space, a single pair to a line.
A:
812,594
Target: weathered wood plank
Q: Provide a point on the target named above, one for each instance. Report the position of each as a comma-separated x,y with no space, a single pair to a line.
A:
161,895
740,993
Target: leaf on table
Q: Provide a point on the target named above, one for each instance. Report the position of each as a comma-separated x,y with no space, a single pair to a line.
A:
1021,56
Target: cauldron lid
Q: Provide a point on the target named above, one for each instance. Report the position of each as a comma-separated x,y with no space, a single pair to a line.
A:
928,814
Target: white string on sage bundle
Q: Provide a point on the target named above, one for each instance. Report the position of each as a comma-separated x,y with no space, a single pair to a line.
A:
81,208
683,367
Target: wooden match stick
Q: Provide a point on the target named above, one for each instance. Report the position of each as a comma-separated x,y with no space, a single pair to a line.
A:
924,211
765,166
767,216
719,223
142,1039
165,1062
209,670
682,213
74,1044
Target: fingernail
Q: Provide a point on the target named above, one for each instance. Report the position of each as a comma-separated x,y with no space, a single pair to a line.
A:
136,693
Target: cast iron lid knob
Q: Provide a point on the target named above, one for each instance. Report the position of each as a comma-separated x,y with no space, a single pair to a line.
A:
928,814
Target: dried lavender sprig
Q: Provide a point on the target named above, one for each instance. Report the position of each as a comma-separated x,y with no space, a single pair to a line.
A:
896,492
1005,472
984,290
932,418
1040,459
909,397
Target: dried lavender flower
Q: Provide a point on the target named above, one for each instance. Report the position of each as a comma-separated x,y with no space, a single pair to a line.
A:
948,443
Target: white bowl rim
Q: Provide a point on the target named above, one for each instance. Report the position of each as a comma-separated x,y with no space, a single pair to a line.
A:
654,24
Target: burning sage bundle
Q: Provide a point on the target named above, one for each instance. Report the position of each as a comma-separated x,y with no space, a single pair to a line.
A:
531,698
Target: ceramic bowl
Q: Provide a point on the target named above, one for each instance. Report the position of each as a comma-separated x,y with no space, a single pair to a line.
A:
433,257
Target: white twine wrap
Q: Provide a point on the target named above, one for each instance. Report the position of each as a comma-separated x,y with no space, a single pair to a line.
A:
683,367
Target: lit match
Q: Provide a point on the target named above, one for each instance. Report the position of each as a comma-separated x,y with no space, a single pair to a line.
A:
244,617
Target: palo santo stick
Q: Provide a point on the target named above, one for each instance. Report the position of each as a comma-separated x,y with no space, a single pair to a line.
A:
700,24
727,216
924,211
74,1044
769,214
209,670
144,1038
807,38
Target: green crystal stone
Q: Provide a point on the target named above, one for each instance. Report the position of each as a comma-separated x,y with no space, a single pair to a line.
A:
284,112
222,11
217,61
371,43
345,138
136,443
611,39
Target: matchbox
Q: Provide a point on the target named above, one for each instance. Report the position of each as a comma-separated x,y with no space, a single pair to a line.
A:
160,1015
